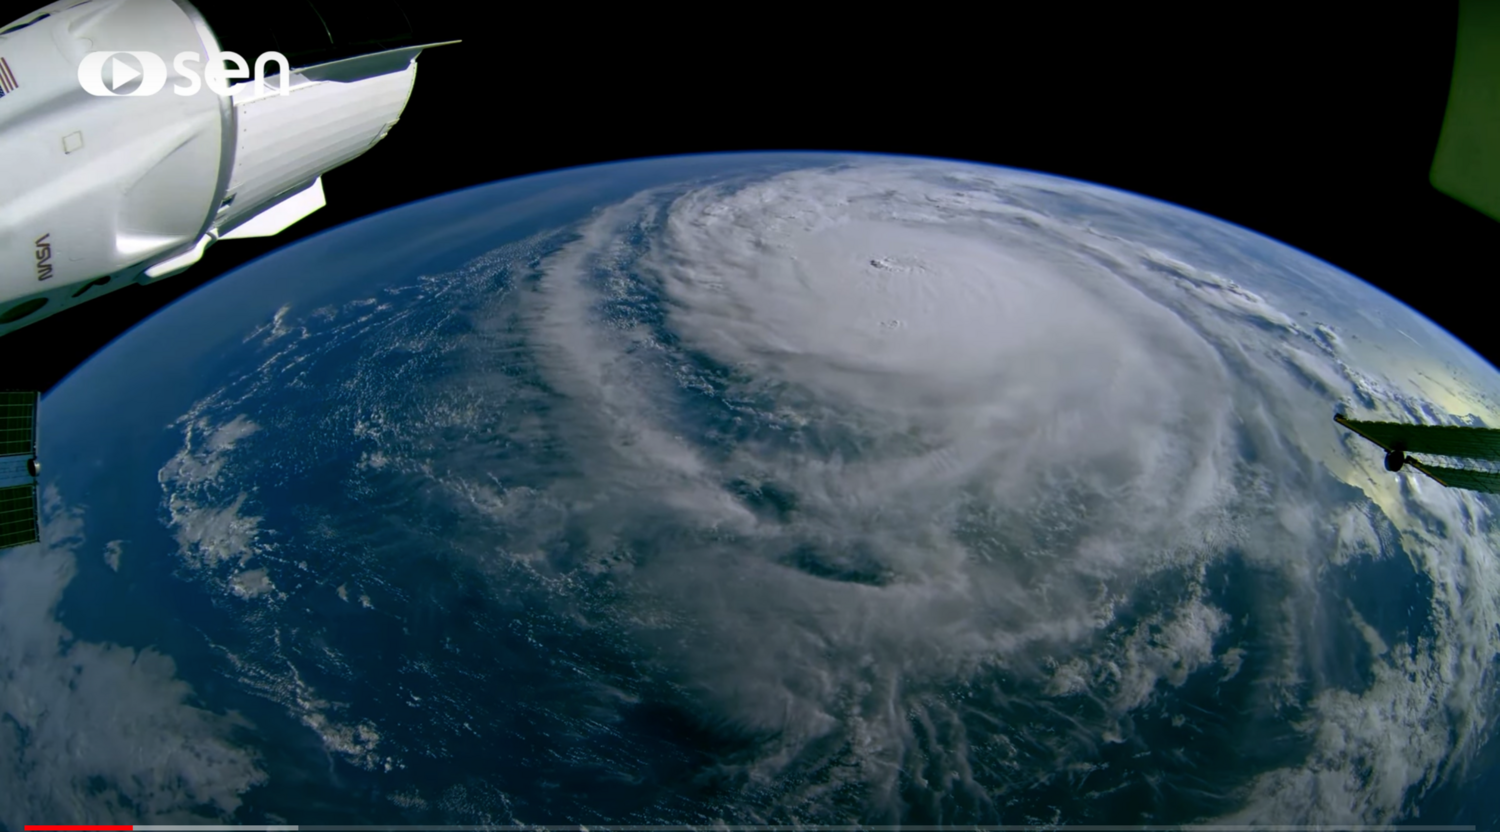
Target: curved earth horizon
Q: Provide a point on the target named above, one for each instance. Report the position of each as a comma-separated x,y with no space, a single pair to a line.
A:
759,489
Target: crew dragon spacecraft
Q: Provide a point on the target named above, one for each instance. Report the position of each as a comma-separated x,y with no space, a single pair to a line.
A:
120,165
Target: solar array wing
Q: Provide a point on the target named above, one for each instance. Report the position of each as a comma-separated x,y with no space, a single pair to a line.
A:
18,423
18,516
1485,481
1442,440
18,495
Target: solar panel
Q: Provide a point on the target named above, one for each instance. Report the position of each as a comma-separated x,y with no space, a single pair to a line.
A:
18,516
1443,440
18,423
1462,478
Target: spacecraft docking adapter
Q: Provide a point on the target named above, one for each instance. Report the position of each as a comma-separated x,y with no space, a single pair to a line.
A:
105,182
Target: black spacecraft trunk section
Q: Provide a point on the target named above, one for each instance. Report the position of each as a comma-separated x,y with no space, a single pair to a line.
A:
310,32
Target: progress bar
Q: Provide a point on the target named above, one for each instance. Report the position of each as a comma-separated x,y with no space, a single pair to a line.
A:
733,828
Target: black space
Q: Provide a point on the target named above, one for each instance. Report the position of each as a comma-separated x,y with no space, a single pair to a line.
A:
1315,129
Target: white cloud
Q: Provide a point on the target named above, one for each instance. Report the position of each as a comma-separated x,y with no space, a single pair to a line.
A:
989,426
1099,391
99,732
112,552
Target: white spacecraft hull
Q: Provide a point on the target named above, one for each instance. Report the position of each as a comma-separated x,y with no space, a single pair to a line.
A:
97,193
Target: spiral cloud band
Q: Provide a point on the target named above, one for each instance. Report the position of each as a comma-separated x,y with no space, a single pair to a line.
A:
841,489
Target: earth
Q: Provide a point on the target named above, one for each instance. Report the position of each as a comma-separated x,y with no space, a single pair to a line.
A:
759,489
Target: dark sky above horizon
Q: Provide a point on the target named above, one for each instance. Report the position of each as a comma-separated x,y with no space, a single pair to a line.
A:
1316,129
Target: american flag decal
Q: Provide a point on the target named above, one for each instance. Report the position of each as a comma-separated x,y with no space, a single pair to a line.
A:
7,79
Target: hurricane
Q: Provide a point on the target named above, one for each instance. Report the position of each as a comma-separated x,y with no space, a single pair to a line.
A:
821,490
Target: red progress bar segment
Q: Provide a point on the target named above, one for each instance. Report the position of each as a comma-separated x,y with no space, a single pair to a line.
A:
138,827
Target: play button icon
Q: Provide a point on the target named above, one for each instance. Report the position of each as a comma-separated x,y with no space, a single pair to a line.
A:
122,72
152,73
